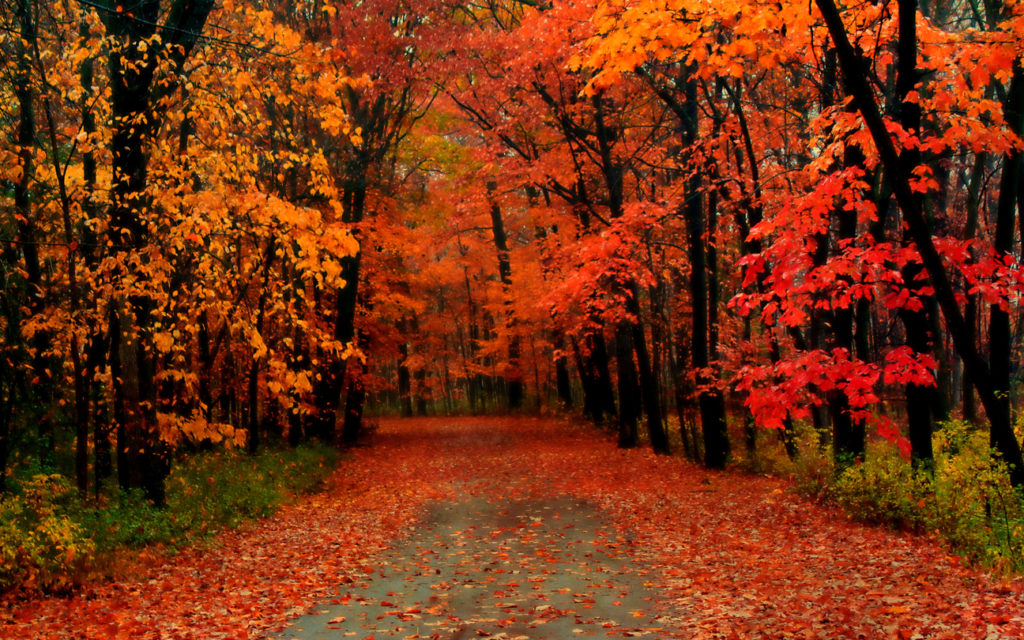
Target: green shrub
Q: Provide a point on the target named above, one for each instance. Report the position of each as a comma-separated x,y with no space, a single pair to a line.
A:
884,489
41,542
48,537
812,470
975,506
967,499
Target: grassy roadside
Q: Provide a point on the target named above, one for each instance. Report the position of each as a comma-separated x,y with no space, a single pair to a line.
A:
51,540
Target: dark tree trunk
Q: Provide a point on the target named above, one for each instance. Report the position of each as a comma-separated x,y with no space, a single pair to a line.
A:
513,372
788,434
25,96
919,398
1000,337
133,66
404,381
703,283
95,347
629,389
422,393
252,409
709,399
682,399
969,408
648,382
80,382
328,393
125,449
584,366
915,321
602,374
103,465
849,436
354,400
130,101
563,383
6,410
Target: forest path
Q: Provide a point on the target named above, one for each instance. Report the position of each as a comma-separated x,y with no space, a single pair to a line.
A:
496,568
685,552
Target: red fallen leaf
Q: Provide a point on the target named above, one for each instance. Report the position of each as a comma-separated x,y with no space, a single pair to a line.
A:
481,632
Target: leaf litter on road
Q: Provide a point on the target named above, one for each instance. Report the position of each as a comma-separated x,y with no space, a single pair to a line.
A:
534,528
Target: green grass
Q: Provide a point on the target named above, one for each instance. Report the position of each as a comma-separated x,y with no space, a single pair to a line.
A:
49,538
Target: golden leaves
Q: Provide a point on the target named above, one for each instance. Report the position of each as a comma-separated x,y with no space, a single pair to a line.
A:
175,429
723,39
163,341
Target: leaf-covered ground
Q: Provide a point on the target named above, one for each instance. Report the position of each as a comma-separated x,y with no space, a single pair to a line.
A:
561,535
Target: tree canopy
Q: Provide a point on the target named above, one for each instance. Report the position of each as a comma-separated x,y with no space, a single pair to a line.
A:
239,222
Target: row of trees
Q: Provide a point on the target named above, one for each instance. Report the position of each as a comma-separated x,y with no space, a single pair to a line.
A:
183,193
811,210
235,221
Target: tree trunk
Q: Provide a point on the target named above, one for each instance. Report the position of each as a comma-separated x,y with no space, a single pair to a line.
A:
354,400
709,399
591,405
513,371
1000,337
6,410
562,382
629,390
915,321
328,393
648,382
25,96
252,408
133,65
404,380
